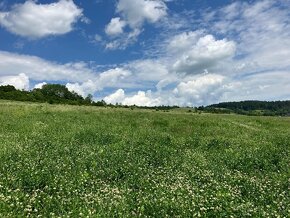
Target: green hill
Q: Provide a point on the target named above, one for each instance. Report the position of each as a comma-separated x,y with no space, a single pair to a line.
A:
270,108
77,161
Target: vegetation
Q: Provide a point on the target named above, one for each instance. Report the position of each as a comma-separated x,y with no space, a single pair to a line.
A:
59,94
267,108
51,93
76,161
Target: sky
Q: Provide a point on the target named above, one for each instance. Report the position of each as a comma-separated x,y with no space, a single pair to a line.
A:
149,52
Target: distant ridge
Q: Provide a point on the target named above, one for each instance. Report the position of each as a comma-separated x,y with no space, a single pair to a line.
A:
251,107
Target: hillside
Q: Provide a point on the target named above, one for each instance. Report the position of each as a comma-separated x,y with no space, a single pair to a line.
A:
80,161
270,108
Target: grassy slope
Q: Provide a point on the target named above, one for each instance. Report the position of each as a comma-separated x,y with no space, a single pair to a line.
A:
74,161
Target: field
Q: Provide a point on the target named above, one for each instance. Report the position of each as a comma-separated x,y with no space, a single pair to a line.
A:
78,161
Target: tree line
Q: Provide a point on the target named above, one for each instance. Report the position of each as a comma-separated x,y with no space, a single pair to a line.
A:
264,108
50,93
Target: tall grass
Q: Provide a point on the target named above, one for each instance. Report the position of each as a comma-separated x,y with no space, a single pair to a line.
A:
69,161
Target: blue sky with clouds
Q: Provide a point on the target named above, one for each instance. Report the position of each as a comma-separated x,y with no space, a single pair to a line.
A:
149,52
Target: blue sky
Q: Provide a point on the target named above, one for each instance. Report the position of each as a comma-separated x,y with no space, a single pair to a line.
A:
149,52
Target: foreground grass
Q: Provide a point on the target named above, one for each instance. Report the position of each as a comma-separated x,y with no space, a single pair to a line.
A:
82,161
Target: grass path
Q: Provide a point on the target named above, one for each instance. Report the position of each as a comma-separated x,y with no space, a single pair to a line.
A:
246,126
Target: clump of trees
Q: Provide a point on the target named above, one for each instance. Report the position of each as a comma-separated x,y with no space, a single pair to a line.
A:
51,93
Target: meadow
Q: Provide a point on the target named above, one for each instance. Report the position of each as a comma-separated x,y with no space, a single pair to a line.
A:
83,161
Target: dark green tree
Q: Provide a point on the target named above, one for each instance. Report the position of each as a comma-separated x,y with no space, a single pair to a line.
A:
7,88
89,99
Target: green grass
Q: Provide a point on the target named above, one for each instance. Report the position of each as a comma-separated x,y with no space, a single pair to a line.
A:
70,161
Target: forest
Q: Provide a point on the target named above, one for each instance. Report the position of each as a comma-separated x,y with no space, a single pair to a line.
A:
255,108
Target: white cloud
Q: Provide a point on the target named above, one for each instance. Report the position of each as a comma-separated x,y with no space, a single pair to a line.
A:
80,76
194,87
262,30
211,88
20,81
115,27
274,85
133,13
180,43
136,12
141,98
39,85
110,78
113,76
88,87
202,53
124,41
149,70
116,97
41,70
34,20
202,90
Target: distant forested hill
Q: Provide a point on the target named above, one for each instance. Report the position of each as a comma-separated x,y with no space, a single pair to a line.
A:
270,108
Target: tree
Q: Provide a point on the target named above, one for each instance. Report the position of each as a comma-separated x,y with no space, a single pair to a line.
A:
89,99
7,88
59,92
54,90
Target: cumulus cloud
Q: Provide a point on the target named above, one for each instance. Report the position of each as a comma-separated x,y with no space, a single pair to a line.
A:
34,20
113,76
182,42
20,81
116,97
201,54
149,70
115,27
83,89
141,98
39,85
80,77
202,90
136,12
42,70
110,78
